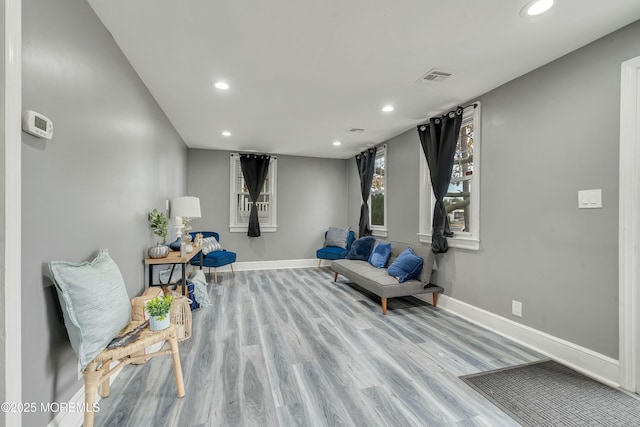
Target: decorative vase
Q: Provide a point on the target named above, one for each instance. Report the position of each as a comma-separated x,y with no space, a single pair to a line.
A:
159,325
158,251
175,245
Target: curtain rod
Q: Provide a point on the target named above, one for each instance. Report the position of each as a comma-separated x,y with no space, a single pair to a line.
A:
474,105
273,156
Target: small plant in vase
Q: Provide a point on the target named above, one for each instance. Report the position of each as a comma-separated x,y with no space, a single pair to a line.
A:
158,311
159,225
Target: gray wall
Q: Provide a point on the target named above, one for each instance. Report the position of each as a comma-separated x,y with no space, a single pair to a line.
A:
403,189
545,136
114,156
311,196
355,196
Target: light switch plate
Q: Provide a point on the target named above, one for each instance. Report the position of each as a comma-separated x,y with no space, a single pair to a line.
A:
590,199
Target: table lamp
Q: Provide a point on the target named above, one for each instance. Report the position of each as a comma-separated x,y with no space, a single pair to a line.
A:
183,210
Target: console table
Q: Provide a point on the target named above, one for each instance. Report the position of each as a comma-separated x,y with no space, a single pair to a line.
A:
174,259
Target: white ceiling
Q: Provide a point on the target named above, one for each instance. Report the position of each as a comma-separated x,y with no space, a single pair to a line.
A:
304,72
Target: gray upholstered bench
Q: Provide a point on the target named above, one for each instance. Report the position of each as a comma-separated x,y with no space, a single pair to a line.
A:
378,281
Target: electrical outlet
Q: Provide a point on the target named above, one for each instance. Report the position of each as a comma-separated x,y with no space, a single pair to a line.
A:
516,308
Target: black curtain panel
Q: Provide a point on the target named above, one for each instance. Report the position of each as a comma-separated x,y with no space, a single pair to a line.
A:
254,169
438,139
366,164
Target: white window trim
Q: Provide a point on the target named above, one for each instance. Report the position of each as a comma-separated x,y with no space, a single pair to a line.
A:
234,227
461,240
381,230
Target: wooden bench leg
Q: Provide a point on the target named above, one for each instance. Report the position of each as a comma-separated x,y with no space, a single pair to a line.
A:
177,366
319,261
215,275
384,306
105,388
335,276
435,299
88,412
233,273
91,382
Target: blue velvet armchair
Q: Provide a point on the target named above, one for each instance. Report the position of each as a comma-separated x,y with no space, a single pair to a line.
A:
215,259
332,253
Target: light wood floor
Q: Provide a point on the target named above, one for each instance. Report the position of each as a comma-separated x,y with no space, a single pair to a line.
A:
292,348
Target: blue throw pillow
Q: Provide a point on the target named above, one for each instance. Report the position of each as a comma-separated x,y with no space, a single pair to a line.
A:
380,255
407,266
361,248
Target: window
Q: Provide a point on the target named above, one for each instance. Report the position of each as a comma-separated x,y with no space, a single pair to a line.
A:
240,203
377,197
463,197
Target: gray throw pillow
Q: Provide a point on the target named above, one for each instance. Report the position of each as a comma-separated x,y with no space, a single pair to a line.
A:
337,237
210,244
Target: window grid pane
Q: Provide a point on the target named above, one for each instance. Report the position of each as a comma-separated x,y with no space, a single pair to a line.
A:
378,190
244,208
458,198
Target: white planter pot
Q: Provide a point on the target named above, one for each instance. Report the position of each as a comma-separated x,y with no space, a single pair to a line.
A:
158,325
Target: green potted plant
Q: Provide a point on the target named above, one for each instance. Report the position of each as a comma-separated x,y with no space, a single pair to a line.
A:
159,225
158,310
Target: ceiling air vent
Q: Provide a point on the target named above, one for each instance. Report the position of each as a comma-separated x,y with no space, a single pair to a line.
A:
356,130
436,76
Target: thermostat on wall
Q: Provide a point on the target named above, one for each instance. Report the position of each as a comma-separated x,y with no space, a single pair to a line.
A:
37,124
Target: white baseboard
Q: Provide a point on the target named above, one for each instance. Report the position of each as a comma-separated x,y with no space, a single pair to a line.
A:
70,419
75,419
598,366
323,263
271,265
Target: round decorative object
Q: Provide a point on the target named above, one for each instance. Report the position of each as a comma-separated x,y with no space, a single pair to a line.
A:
175,245
181,317
159,325
158,251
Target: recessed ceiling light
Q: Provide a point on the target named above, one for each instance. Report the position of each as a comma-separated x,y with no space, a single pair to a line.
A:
536,7
387,108
337,143
226,133
222,85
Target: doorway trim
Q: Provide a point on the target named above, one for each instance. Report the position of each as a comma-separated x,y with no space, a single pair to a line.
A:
629,226
11,229
10,168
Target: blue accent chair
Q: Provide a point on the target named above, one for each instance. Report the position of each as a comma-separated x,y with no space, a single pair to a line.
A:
332,253
214,259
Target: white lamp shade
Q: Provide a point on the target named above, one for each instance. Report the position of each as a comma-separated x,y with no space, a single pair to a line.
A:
186,207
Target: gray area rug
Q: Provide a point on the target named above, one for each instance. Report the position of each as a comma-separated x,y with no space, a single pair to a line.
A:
547,393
